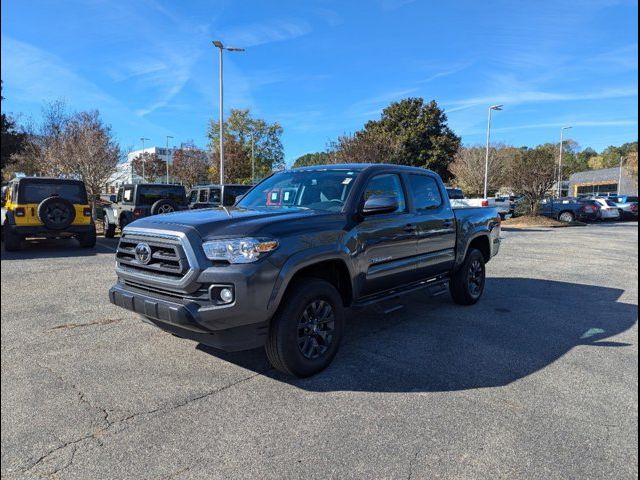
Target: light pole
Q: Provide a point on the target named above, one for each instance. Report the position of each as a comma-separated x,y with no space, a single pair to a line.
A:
620,175
253,161
486,160
167,160
218,44
142,157
560,160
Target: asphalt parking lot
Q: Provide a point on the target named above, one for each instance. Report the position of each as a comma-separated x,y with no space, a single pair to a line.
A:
539,380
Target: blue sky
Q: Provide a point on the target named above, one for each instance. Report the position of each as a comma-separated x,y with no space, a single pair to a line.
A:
323,68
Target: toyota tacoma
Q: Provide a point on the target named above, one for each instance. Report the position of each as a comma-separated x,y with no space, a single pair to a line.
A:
280,267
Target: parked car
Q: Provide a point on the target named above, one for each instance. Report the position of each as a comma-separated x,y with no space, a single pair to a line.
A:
46,207
591,209
566,209
208,196
608,209
627,205
134,201
280,267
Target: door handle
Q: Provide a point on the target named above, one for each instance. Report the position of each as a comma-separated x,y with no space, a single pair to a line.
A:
447,223
410,228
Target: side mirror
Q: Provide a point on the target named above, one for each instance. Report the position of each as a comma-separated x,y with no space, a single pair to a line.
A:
238,198
379,204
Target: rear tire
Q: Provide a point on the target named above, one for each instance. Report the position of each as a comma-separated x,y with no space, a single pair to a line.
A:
88,239
467,283
12,241
567,217
305,333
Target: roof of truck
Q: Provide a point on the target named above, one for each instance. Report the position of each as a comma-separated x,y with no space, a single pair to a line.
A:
360,167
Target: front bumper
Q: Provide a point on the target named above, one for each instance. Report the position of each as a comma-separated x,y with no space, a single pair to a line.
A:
200,322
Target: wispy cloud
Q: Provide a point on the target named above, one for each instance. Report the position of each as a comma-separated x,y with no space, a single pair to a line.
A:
269,31
535,96
446,72
559,124
35,76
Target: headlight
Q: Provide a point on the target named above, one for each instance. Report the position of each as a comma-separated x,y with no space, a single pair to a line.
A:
238,250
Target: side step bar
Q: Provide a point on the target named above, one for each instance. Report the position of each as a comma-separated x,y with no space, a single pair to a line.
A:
434,286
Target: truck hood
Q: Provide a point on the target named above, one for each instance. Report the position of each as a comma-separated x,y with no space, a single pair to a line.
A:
227,221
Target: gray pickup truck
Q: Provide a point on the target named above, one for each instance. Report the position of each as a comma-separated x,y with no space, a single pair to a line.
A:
280,268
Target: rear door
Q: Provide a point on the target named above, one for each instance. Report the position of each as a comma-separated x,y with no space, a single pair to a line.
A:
436,225
387,242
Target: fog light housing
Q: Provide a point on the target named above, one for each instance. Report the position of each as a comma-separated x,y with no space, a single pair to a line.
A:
222,294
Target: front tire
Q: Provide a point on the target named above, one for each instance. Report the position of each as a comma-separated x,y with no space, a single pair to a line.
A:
467,284
305,333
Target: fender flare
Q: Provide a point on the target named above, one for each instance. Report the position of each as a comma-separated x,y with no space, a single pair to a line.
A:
303,259
481,232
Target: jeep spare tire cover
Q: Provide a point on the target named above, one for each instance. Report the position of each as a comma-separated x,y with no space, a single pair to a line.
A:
56,213
163,206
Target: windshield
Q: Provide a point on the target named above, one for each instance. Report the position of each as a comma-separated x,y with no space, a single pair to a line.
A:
315,190
150,194
36,191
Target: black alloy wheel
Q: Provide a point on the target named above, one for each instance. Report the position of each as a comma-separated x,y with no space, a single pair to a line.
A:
316,329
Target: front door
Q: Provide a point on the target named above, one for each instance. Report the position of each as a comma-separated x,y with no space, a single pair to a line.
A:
386,242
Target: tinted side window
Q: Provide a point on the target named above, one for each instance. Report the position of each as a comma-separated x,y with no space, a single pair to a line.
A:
232,192
425,191
203,197
214,196
386,184
193,196
149,194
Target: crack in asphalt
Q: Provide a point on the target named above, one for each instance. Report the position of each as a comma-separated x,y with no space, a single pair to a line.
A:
70,326
107,423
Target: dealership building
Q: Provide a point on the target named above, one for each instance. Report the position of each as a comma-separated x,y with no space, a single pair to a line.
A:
603,182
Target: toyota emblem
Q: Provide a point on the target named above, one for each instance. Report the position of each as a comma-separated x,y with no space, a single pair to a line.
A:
143,253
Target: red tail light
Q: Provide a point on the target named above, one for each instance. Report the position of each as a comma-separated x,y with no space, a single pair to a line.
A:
20,212
485,203
87,212
137,212
634,207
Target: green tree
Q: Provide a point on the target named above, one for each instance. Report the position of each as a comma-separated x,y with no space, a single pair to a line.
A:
265,139
317,158
421,129
578,162
11,142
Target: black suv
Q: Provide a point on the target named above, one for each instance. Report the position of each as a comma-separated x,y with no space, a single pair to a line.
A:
139,200
208,196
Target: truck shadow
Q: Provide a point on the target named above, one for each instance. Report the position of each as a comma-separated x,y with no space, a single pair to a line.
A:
520,326
52,248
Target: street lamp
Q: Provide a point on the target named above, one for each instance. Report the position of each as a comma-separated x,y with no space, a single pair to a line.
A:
143,159
486,160
218,44
167,160
560,160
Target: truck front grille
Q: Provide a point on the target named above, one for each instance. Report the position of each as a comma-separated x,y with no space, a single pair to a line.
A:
167,258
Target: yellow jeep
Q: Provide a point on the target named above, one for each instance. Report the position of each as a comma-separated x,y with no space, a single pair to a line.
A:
46,207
